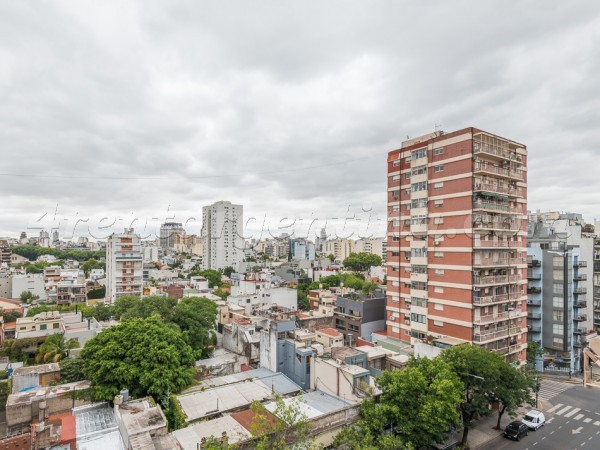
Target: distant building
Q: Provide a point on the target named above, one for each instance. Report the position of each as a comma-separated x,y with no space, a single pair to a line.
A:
168,231
222,235
303,250
31,282
5,252
151,253
359,316
340,248
373,245
124,265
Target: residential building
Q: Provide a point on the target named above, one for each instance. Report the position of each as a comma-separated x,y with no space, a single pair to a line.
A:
6,290
359,315
26,378
329,337
31,282
596,293
222,235
152,253
188,243
5,252
370,245
303,249
69,288
124,265
561,283
340,248
168,231
457,206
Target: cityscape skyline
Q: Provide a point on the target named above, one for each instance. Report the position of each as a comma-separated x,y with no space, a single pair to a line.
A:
131,107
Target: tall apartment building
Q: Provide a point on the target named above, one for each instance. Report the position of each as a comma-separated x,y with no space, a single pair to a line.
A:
222,235
340,248
168,231
596,298
560,274
372,245
5,252
124,265
457,264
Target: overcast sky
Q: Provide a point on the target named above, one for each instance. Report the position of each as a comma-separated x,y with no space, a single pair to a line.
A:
111,111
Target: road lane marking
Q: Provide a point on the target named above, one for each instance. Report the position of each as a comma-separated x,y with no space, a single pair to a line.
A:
582,444
587,420
552,432
578,416
534,444
572,412
564,410
543,438
555,408
550,420
597,422
559,427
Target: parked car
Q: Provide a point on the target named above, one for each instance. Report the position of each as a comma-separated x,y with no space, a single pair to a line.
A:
515,430
534,419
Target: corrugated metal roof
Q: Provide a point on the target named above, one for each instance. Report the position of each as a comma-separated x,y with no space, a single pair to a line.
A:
190,436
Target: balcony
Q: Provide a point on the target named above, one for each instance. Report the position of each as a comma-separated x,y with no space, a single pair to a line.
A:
534,303
534,316
534,290
534,263
491,318
580,277
580,318
581,290
534,276
494,150
579,343
492,205
580,304
485,280
485,167
580,331
483,337
534,328
580,264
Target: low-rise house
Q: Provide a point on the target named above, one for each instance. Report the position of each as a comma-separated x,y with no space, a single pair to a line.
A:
359,315
329,337
41,325
30,377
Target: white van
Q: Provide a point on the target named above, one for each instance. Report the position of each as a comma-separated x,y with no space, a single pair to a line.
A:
534,420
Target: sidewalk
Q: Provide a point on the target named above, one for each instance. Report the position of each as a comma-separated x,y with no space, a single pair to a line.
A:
484,432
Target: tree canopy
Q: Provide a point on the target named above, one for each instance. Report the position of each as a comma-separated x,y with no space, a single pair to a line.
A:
361,262
33,252
195,317
146,356
55,348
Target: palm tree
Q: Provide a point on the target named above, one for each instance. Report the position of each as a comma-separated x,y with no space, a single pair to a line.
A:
55,348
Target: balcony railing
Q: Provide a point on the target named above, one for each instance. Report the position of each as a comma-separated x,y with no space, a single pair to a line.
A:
534,303
580,331
495,279
580,305
484,300
581,290
490,149
498,262
534,290
580,318
534,316
580,264
494,206
534,328
534,263
490,318
481,166
496,244
580,277
534,276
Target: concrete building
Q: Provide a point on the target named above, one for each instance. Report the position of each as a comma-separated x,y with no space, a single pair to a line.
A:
5,252
303,249
25,378
31,282
168,231
457,206
6,290
69,288
561,277
222,235
596,292
340,248
370,245
152,253
359,316
124,265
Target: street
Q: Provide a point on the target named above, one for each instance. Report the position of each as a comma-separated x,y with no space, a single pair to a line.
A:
572,421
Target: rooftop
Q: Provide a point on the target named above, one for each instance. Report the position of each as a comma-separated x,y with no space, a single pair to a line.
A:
47,392
313,404
190,436
41,369
330,332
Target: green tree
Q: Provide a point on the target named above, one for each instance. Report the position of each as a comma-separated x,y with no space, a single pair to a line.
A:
361,262
10,316
55,348
71,370
90,264
417,408
213,277
513,388
196,317
97,293
146,356
26,296
534,352
479,370
227,271
331,257
130,307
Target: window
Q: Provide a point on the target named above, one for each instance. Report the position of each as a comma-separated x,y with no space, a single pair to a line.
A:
557,342
558,275
558,261
439,272
396,208
419,220
438,290
558,316
417,187
438,185
396,193
558,328
418,252
438,151
407,176
43,326
396,163
439,168
438,203
558,288
438,255
419,170
557,302
420,153
418,269
395,177
417,301
438,323
55,325
395,223
420,318
419,203
420,285
438,307
438,220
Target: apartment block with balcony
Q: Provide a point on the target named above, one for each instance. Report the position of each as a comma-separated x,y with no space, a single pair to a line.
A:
457,264
596,292
124,265
357,316
560,277
222,235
